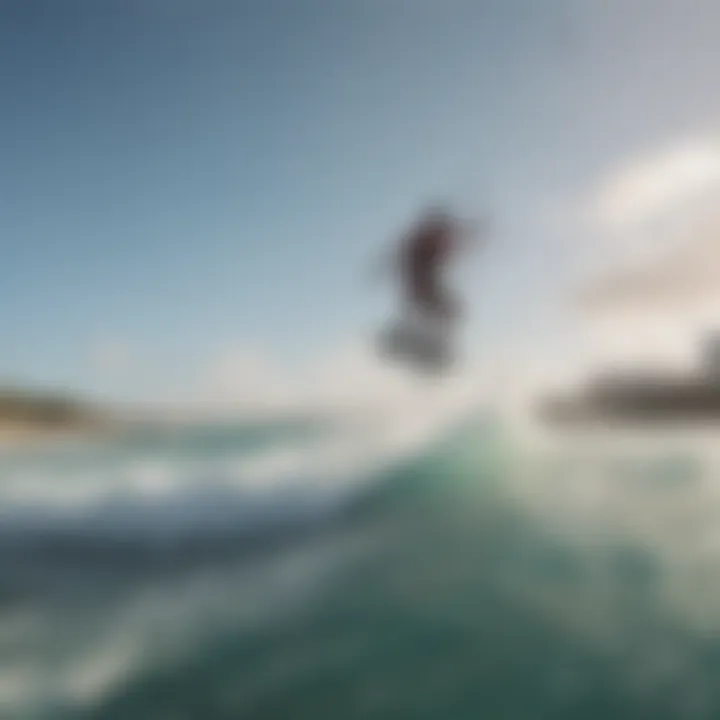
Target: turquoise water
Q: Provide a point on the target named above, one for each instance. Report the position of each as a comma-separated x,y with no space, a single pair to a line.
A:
469,578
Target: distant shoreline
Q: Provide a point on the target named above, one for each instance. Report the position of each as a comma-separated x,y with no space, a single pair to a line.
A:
19,434
14,436
32,418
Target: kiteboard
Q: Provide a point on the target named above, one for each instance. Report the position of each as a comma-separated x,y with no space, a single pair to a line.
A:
419,341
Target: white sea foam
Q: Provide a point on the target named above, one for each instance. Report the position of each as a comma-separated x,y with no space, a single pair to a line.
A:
170,492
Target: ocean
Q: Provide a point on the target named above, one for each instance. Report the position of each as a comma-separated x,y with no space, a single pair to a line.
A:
295,571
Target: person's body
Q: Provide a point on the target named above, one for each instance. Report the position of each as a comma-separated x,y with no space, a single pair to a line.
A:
424,254
430,308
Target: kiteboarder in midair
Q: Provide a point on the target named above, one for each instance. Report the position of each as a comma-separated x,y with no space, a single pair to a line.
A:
423,256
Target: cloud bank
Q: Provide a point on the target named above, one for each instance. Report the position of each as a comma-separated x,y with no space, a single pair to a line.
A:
647,187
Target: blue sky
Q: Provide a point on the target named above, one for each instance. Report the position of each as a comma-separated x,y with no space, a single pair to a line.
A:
181,177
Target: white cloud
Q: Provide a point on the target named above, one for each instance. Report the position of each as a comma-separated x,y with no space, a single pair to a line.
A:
683,275
647,187
348,379
345,377
657,301
244,378
657,311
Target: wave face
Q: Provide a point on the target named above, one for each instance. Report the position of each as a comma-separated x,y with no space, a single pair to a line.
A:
372,570
100,542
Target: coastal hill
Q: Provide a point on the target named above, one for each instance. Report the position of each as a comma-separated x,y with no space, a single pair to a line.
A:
32,414
645,397
31,410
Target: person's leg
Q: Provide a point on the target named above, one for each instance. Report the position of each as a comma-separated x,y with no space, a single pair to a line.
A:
426,296
441,304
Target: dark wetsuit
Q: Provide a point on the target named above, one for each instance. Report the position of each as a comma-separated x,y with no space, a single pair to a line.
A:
425,255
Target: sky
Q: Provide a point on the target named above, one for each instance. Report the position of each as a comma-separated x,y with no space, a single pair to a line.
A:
191,192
